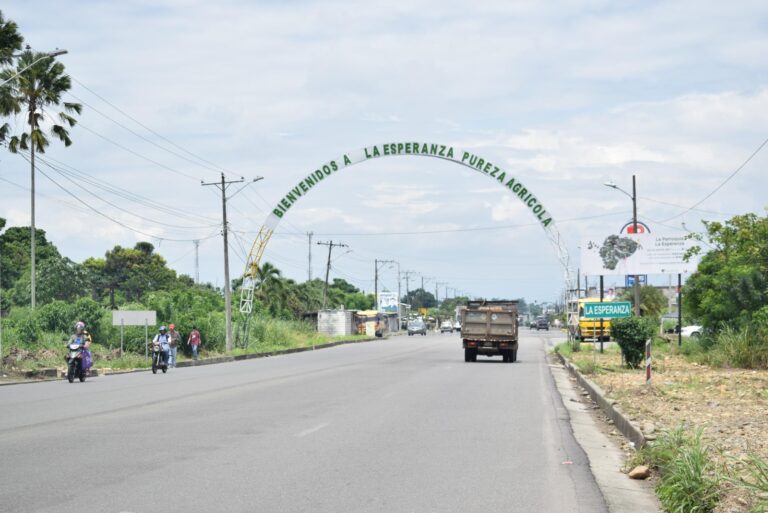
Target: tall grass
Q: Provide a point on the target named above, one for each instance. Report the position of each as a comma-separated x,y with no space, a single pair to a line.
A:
688,478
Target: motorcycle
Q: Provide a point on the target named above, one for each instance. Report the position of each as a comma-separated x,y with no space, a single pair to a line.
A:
159,361
75,362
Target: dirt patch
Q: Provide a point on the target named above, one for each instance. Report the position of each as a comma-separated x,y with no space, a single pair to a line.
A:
731,405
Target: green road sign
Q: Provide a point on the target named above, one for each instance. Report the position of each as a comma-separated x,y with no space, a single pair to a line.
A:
607,310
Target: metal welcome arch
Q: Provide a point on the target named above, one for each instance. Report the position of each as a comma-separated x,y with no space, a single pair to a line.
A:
416,149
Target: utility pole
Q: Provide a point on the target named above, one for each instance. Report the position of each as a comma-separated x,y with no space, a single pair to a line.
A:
222,186
197,261
407,276
330,245
634,224
437,284
376,280
309,264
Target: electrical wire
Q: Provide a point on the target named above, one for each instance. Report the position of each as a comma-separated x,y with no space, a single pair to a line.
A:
146,139
72,181
727,179
156,237
148,129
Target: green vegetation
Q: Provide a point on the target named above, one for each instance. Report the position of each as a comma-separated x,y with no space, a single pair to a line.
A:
653,302
631,334
139,279
688,478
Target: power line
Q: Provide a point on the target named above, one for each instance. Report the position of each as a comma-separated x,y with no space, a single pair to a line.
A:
145,127
121,192
156,237
727,179
146,139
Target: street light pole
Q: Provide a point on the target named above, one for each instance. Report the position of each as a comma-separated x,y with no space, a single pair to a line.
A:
634,225
33,233
633,196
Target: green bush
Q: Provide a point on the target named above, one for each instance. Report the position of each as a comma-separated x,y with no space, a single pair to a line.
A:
631,334
56,316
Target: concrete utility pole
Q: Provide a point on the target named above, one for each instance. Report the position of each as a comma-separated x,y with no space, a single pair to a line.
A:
633,197
437,284
309,262
223,185
330,245
197,261
376,280
407,275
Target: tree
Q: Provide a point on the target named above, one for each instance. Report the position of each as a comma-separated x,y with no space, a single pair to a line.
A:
129,273
14,252
10,42
653,302
420,298
730,285
37,84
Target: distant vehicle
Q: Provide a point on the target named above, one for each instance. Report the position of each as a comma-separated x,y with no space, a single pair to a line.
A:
490,328
446,326
457,326
532,324
691,331
590,328
417,328
542,324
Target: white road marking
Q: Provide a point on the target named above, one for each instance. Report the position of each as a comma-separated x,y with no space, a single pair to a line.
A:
312,430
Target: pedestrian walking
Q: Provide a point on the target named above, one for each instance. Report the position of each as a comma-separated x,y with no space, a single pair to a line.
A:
175,338
194,341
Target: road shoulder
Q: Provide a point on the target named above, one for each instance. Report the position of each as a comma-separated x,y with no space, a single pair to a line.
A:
605,458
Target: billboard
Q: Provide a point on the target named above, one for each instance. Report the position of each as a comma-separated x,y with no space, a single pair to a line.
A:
388,302
644,253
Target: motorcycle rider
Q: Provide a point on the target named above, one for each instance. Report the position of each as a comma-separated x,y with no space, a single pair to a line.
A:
164,340
81,336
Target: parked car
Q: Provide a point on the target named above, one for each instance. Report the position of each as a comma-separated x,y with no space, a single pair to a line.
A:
446,326
417,328
691,331
542,324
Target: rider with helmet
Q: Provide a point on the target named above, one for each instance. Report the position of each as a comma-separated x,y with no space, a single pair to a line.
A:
164,339
81,336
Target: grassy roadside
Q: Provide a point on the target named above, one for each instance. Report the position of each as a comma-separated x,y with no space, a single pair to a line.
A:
705,423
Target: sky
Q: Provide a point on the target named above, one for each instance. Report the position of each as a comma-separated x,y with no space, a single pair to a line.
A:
562,95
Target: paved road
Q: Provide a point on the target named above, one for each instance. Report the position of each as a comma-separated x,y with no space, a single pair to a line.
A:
402,425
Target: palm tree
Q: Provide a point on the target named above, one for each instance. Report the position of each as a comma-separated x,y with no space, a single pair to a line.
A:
10,41
37,84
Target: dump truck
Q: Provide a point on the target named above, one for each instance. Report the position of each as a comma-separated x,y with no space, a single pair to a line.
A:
489,328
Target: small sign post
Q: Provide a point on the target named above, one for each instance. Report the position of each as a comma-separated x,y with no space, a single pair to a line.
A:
144,318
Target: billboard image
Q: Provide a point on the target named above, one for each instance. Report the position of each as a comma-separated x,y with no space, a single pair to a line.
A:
644,253
388,302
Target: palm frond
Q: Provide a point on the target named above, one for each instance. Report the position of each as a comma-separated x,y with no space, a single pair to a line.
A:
67,119
62,134
73,107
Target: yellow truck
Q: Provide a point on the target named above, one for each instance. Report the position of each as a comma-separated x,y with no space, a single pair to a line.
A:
590,328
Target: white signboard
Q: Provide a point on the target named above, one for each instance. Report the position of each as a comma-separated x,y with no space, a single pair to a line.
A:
134,317
644,253
388,302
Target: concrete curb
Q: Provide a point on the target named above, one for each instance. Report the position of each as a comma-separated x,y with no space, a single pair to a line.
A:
613,412
187,363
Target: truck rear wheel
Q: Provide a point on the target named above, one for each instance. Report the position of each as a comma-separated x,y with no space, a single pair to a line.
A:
505,357
513,356
467,355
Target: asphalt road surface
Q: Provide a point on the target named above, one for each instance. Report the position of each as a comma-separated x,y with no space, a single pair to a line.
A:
399,425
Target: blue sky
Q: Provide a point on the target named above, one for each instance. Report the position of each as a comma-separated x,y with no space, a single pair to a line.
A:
566,95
